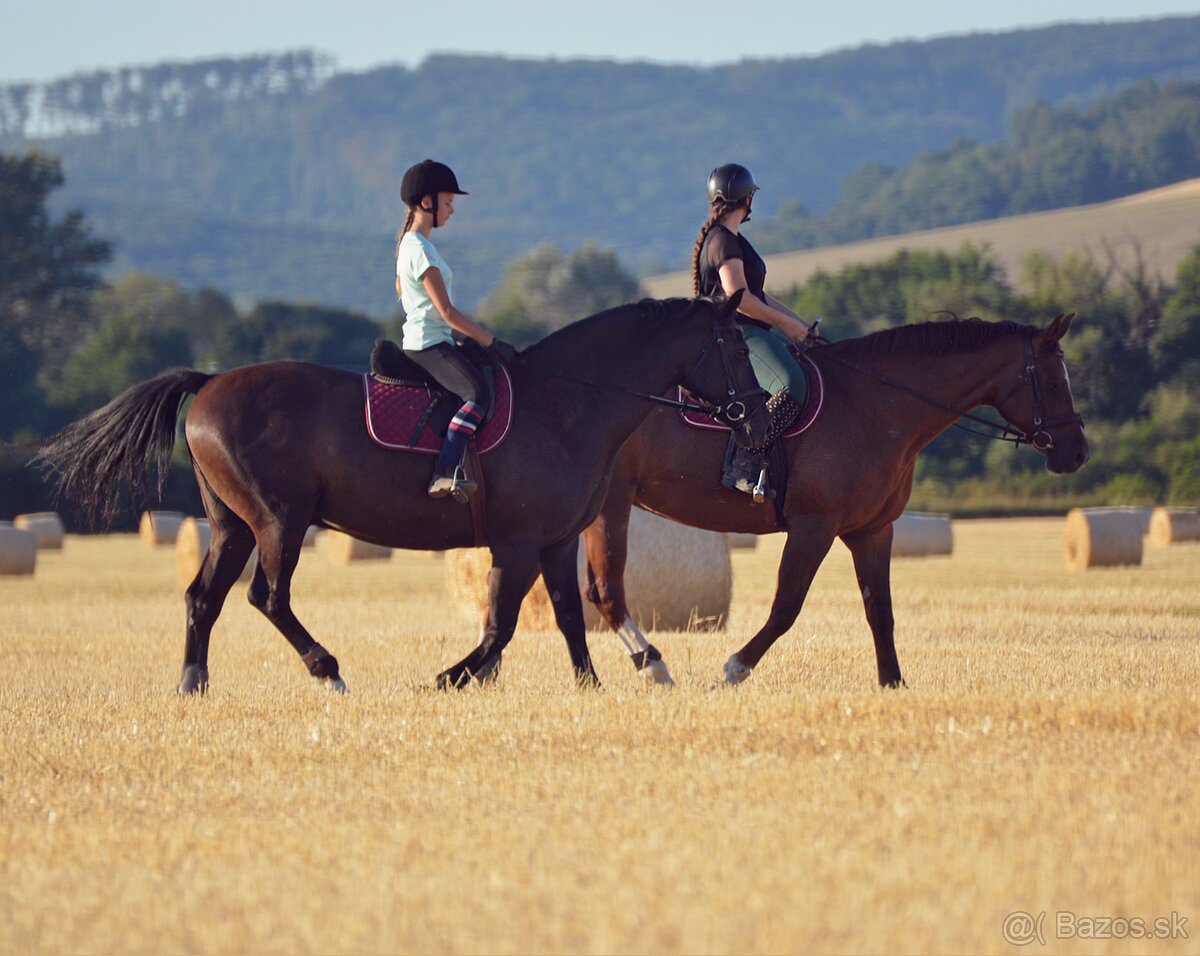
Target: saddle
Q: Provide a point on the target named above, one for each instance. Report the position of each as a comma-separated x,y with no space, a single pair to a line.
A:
406,410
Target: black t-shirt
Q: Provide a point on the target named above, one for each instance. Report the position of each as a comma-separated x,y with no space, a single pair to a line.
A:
721,245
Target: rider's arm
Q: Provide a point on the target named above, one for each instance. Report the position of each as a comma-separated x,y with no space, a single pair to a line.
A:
733,278
459,321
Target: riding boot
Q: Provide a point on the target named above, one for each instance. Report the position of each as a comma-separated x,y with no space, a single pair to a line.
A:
742,467
450,475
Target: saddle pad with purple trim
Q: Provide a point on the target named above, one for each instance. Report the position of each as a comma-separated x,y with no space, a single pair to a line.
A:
393,412
816,398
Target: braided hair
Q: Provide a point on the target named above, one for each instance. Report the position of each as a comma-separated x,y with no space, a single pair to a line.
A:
719,209
412,213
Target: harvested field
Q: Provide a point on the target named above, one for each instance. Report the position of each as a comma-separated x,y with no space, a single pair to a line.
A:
1045,758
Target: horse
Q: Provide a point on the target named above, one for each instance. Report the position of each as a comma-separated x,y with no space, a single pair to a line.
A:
887,395
280,446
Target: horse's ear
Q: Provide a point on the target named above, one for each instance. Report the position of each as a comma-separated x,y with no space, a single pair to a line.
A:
1056,329
731,306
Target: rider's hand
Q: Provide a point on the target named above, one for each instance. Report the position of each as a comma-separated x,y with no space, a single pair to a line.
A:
503,351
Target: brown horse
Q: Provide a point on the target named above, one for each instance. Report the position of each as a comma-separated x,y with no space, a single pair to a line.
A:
281,446
887,396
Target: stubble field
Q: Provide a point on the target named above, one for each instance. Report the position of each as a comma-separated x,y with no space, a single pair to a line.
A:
1045,758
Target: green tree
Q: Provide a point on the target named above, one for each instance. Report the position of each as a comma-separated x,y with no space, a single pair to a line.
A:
47,266
544,290
307,333
120,354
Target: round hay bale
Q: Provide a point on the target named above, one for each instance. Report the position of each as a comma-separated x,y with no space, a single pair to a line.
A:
739,541
920,534
1102,537
46,528
1172,525
18,551
1142,514
341,548
676,578
191,545
158,528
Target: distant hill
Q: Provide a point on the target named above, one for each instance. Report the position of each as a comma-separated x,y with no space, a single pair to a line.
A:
277,176
1160,226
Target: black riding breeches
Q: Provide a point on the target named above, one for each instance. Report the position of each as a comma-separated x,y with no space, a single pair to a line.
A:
455,368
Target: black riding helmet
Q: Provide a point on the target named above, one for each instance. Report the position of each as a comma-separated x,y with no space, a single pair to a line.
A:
731,183
428,178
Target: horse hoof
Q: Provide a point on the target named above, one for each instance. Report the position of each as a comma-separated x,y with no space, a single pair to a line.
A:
656,673
451,680
488,671
735,672
335,684
193,681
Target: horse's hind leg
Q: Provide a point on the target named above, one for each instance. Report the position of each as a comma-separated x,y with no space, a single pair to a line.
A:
872,552
559,562
606,541
230,544
279,545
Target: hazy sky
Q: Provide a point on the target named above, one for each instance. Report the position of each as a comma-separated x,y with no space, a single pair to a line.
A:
43,39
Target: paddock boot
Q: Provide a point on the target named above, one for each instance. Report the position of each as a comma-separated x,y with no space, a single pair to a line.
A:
450,478
741,468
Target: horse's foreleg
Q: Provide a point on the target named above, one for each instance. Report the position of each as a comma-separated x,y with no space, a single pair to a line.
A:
271,592
803,553
514,567
606,541
558,563
872,552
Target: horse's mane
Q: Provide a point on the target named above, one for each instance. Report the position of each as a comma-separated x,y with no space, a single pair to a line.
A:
945,337
645,311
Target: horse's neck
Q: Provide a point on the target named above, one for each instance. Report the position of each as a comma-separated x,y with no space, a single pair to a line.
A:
961,381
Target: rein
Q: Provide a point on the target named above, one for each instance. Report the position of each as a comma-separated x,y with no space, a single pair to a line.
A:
1040,438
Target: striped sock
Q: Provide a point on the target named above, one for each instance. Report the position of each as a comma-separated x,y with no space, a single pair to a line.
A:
462,429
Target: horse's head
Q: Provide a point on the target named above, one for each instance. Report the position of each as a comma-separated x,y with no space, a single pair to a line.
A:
722,375
1041,405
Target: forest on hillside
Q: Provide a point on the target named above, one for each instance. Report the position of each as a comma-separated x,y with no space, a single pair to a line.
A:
276,176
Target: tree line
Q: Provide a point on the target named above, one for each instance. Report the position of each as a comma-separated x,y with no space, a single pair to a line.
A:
1054,157
279,177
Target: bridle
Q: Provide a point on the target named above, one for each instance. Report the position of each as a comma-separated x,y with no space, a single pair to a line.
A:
1040,436
734,411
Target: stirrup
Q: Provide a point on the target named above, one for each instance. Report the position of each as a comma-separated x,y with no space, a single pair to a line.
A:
456,483
760,492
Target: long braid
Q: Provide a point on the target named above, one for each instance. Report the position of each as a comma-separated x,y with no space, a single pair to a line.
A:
719,208
407,226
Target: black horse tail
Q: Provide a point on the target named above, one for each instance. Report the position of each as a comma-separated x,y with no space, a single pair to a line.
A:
94,460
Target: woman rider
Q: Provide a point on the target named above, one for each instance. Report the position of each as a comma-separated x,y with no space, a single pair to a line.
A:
723,261
437,336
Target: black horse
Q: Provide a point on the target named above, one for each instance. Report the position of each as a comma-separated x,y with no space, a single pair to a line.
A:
281,446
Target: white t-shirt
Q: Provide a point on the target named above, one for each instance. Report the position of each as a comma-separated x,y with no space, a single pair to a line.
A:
423,324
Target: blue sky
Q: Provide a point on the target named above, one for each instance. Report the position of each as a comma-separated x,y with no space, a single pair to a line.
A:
44,39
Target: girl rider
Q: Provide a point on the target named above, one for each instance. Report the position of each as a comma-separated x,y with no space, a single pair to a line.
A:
437,336
723,261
